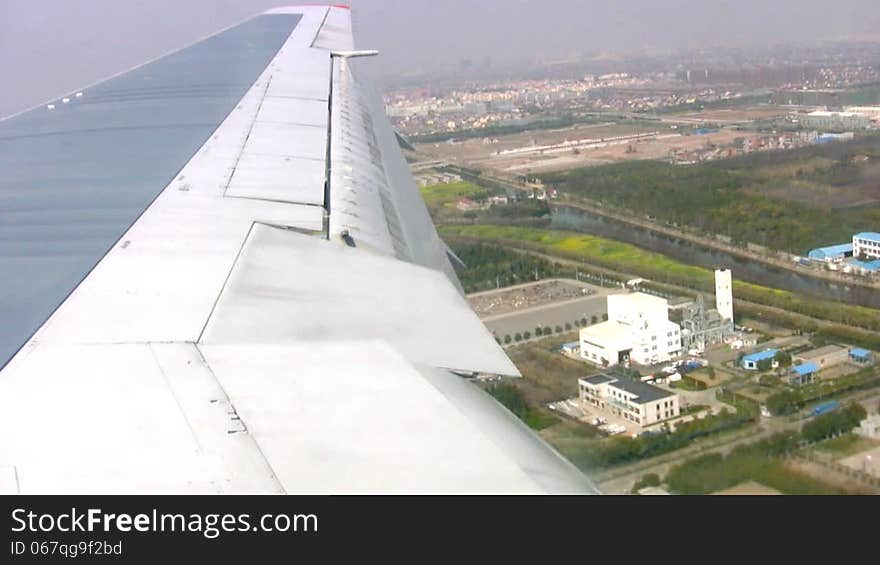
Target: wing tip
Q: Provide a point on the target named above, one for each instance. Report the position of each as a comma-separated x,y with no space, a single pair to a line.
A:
298,8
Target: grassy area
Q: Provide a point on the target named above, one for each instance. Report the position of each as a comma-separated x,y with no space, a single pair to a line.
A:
580,246
512,398
844,446
754,462
631,259
437,195
712,473
548,376
688,384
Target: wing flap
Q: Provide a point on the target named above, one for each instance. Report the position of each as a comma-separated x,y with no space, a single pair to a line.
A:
287,287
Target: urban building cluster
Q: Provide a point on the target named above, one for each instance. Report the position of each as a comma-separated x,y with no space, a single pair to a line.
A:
521,103
436,177
751,144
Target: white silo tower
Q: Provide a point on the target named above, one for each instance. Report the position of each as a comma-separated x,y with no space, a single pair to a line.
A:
724,293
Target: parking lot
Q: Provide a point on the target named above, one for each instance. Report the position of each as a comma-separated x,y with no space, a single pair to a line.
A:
529,295
548,303
586,413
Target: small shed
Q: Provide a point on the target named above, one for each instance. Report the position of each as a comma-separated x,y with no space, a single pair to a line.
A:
861,356
803,374
750,362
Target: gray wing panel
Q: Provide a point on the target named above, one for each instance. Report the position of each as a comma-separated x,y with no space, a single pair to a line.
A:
372,193
425,246
76,173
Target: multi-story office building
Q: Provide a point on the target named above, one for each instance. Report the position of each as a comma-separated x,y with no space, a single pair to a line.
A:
635,401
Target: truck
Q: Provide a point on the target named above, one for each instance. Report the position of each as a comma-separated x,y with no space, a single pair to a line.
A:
824,408
689,366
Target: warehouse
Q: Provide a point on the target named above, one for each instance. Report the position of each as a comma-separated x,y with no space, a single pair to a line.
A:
866,267
606,344
750,362
823,357
832,252
835,121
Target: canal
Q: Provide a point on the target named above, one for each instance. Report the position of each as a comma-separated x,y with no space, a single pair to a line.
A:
564,217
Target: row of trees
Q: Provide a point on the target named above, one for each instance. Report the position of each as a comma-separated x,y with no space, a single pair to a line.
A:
490,266
833,423
618,450
513,400
790,401
548,330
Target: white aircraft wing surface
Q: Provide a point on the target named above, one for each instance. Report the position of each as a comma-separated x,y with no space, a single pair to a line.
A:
217,275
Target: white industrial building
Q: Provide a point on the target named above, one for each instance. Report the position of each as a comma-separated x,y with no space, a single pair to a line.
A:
638,329
866,244
824,120
636,401
872,112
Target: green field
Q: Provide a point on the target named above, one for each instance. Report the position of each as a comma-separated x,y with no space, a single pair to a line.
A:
845,445
712,473
753,462
578,246
437,195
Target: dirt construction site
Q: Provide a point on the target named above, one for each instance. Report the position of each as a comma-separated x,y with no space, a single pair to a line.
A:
577,146
551,303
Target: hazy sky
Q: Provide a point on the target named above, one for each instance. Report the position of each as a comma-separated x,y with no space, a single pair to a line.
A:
49,47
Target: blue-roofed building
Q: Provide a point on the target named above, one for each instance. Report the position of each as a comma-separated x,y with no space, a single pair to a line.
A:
750,362
867,244
870,266
861,356
571,348
803,374
832,252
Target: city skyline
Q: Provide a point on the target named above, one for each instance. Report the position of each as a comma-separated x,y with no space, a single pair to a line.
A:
50,47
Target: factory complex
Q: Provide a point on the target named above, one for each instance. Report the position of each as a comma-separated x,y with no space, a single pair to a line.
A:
862,255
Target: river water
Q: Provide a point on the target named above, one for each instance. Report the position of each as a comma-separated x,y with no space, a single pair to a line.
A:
564,217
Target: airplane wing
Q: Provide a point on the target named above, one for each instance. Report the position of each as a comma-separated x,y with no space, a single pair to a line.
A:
217,275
